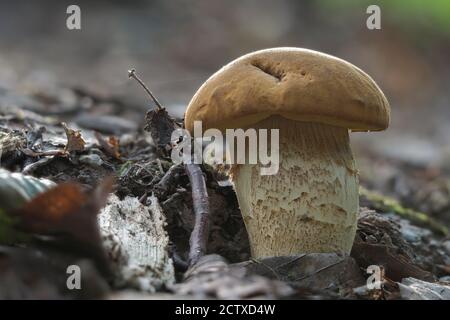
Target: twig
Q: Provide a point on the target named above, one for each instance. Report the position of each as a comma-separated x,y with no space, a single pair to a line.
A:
272,270
37,164
200,234
178,261
291,261
48,153
143,198
132,74
163,187
320,270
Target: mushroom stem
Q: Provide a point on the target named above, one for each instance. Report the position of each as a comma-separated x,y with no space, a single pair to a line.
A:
311,204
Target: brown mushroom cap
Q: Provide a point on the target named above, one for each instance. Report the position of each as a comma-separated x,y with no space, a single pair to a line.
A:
298,84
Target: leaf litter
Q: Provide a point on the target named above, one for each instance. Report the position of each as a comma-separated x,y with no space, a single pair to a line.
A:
132,234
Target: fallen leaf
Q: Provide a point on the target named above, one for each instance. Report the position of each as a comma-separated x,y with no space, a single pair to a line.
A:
16,189
379,242
397,266
69,214
75,141
111,147
318,271
160,125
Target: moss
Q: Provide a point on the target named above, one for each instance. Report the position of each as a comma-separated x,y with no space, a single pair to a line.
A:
389,205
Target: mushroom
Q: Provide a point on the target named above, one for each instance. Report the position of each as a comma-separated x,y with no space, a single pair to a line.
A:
314,99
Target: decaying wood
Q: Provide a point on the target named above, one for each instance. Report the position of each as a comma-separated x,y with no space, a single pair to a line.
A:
137,243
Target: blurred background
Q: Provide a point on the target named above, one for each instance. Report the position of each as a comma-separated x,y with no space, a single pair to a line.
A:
176,45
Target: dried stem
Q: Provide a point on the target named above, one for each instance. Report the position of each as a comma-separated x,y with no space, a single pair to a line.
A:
200,234
132,74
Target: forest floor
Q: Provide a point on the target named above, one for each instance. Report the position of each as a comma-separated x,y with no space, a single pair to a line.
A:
131,235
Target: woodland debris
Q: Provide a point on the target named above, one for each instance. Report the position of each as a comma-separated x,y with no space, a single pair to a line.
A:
75,141
110,146
13,99
227,237
211,277
389,205
11,141
40,273
137,295
107,124
137,243
55,229
315,271
92,159
428,251
199,236
144,168
138,177
168,181
132,74
10,113
16,189
379,242
387,290
415,289
30,168
67,215
161,126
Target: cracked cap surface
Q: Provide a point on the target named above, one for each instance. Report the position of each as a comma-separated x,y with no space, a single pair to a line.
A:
298,84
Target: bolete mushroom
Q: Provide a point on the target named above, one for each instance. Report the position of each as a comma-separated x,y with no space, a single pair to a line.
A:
314,99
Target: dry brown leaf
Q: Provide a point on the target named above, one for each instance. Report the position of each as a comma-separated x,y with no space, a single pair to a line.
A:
75,141
111,147
69,214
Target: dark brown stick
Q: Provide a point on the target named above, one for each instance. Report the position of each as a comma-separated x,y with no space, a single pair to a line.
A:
168,181
200,234
132,74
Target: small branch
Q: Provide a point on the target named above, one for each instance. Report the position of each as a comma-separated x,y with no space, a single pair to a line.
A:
178,262
48,153
37,164
158,121
132,74
200,234
165,185
143,198
320,270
